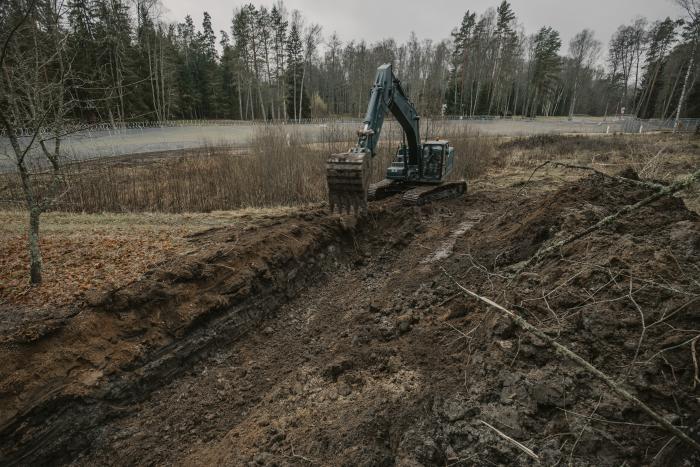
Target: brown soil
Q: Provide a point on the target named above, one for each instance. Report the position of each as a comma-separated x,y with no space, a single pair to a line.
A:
308,339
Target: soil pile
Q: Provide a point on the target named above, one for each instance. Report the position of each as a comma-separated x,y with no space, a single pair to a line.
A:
311,339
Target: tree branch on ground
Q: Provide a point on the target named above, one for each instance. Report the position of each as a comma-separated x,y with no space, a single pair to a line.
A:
665,191
565,352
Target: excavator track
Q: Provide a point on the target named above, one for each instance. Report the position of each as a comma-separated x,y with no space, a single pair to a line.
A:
347,175
384,189
428,193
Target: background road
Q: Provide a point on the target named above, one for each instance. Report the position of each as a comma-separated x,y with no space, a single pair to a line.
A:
91,144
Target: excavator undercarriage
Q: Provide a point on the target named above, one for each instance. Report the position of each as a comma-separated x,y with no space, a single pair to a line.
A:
413,194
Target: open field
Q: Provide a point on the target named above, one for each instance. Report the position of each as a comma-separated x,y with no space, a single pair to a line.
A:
94,144
288,336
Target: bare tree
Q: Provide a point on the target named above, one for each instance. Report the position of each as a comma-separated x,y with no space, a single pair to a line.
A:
312,38
692,8
584,50
34,70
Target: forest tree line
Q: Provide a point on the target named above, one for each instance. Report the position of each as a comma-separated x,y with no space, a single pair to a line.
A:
124,62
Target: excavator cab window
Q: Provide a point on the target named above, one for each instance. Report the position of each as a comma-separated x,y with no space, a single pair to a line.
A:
432,160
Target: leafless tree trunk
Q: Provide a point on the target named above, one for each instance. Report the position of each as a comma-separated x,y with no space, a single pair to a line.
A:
311,40
584,50
692,7
33,95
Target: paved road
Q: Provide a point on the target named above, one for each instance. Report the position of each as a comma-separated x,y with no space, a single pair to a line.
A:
93,144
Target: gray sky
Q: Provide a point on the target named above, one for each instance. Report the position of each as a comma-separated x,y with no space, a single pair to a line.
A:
434,19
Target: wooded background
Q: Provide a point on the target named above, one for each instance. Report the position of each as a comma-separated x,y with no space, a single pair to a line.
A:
127,63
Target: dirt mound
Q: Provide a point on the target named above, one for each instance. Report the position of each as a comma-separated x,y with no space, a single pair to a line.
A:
524,226
413,372
623,297
308,339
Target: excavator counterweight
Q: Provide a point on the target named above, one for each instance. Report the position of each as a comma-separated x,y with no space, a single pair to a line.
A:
418,169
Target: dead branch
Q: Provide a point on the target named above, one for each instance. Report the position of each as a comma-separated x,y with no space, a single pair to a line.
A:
666,191
565,352
640,183
644,328
517,444
611,422
448,299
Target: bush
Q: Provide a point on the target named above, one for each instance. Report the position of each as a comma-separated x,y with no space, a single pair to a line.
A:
280,168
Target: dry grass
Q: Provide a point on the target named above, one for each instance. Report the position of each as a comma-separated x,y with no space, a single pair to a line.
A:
87,253
282,168
659,157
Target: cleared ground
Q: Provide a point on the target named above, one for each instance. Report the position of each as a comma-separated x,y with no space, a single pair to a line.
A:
292,337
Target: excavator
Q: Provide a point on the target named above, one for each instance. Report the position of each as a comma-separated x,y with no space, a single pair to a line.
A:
418,169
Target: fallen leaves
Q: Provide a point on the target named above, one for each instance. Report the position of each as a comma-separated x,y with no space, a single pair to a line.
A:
78,262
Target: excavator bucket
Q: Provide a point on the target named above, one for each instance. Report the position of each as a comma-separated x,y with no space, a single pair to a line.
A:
348,175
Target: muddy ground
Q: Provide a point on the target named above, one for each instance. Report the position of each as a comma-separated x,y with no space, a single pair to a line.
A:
301,338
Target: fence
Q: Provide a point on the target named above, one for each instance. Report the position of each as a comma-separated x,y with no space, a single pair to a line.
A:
626,125
685,125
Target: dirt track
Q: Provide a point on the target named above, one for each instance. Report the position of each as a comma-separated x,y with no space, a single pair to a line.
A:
305,339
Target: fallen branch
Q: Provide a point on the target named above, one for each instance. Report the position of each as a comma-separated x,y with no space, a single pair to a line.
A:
640,183
448,299
517,444
565,352
667,190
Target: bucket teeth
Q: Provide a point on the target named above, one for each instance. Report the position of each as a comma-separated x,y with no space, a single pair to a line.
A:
347,175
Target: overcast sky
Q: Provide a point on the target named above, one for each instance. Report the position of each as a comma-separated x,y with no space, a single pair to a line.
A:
434,19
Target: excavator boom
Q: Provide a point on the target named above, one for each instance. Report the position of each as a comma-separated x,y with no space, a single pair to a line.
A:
418,169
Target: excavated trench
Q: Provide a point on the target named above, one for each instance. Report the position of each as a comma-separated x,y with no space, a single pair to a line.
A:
310,339
65,381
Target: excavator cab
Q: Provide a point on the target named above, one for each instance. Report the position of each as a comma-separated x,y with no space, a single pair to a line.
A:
438,159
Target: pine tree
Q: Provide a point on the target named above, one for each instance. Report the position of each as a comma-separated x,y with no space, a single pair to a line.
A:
460,60
546,69
295,68
661,37
279,38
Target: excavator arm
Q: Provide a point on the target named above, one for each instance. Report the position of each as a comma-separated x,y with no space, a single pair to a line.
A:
387,94
348,173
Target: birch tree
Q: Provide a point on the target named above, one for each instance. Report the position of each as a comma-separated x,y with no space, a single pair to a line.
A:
692,9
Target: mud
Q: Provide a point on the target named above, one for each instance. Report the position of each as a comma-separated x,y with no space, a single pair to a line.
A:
309,339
